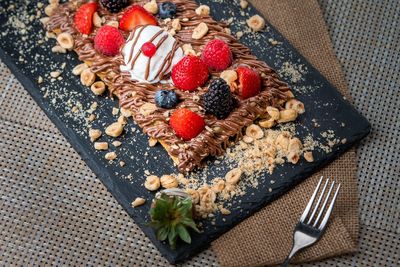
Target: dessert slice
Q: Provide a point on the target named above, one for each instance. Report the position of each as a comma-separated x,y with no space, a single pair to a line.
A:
187,81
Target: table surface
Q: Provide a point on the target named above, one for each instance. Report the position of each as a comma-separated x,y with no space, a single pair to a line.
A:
47,220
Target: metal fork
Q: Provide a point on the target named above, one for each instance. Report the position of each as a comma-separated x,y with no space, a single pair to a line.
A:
309,229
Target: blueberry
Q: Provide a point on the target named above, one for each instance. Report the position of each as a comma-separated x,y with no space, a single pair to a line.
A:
166,99
166,10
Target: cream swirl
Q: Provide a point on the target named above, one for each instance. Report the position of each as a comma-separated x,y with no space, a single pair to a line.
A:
150,69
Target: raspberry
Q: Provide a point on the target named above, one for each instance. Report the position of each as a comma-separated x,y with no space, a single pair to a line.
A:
149,49
217,55
114,5
218,100
189,73
108,40
186,123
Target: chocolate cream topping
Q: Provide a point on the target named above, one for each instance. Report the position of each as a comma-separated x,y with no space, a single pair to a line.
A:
213,140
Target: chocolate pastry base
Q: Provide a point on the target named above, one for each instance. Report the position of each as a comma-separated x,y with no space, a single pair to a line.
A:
132,95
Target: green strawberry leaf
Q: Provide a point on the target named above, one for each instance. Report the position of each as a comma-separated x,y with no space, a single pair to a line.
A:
190,223
162,233
172,235
185,207
183,233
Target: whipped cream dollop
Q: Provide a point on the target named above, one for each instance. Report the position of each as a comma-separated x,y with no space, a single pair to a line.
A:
150,69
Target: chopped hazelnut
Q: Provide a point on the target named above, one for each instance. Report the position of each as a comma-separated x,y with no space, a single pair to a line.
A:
287,115
126,112
168,181
273,112
138,202
188,49
200,31
233,176
152,141
116,143
55,74
114,111
50,9
58,49
254,131
98,88
110,156
295,145
115,129
296,105
113,23
293,157
122,120
65,40
256,23
229,76
78,69
101,145
87,77
152,183
224,211
243,4
176,25
97,21
92,117
268,123
94,134
151,7
308,156
147,109
194,195
203,10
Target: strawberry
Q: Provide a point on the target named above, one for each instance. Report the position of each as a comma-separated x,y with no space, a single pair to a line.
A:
135,16
84,17
186,123
217,55
249,82
189,73
108,40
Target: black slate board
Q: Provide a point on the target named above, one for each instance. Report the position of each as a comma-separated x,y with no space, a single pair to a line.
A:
323,103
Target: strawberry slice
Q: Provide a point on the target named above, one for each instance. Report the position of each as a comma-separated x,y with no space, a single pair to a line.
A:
186,123
249,82
84,17
135,16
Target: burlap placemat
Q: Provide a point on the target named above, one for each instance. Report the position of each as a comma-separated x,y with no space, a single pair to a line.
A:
266,237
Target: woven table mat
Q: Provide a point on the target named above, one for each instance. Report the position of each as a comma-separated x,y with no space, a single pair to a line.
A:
55,211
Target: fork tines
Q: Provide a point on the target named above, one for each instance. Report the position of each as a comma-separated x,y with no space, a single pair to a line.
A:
318,210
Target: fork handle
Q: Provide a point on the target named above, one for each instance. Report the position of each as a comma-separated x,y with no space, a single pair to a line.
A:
286,262
290,256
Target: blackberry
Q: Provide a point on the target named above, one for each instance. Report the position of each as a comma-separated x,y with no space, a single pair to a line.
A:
114,6
218,100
